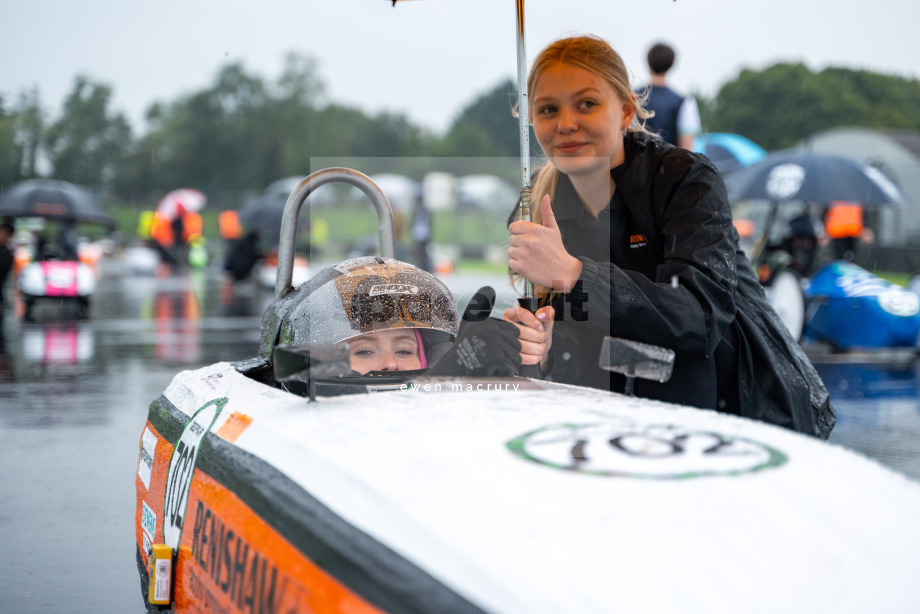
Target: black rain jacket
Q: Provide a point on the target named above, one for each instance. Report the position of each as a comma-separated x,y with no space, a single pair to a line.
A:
686,284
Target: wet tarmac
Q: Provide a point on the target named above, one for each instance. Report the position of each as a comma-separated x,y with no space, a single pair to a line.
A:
74,396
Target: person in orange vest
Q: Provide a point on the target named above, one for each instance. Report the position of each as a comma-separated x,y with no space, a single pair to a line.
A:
180,245
192,226
228,224
180,233
844,228
161,231
161,238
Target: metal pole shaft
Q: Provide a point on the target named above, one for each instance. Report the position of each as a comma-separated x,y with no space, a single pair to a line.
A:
523,119
528,301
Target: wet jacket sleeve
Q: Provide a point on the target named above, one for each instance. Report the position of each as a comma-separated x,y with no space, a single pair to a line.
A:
684,297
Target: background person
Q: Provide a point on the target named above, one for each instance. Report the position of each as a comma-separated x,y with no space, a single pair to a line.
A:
633,238
675,118
67,241
800,241
242,256
797,250
7,259
179,237
844,228
420,230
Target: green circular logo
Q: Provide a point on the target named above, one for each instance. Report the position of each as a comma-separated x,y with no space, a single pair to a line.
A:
658,452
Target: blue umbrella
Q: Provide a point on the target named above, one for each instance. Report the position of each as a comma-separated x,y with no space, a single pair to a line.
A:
729,151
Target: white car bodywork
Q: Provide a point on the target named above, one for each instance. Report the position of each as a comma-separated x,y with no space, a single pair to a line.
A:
522,496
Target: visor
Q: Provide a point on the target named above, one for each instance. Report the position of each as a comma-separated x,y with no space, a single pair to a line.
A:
366,295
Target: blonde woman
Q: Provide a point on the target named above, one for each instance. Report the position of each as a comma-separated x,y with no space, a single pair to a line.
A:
632,237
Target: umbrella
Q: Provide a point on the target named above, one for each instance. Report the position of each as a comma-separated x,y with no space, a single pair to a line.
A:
282,188
805,175
53,199
188,199
264,214
729,151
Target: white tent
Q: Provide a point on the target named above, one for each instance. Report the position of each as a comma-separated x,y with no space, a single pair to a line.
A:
401,191
282,188
486,192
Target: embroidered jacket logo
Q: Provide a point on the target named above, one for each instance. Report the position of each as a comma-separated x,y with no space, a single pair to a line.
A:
637,241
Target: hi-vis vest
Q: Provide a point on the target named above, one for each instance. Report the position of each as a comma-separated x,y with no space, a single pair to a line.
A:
161,230
193,226
844,219
228,223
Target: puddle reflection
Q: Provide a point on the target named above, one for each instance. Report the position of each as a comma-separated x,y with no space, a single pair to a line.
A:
878,411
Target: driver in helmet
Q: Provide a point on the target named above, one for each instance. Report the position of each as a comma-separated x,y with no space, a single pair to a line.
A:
398,349
396,317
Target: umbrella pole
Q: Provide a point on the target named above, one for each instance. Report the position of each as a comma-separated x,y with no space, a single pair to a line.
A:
523,113
524,122
760,249
528,301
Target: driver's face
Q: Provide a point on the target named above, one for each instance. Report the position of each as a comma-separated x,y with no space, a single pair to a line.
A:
388,350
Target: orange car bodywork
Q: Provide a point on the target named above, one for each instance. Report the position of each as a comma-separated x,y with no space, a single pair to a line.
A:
230,559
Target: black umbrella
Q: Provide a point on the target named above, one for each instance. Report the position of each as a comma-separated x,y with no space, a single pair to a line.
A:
805,175
52,199
263,215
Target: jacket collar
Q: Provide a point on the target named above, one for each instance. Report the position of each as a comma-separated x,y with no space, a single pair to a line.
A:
567,197
633,179
634,145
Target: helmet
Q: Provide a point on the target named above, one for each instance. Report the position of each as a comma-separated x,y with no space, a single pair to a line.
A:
371,294
801,226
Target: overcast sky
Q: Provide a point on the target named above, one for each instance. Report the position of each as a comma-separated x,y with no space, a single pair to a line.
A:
425,58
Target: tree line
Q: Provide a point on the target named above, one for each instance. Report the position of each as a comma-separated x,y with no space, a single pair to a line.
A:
242,132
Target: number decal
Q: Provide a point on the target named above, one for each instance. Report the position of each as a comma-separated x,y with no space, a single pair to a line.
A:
651,452
181,469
